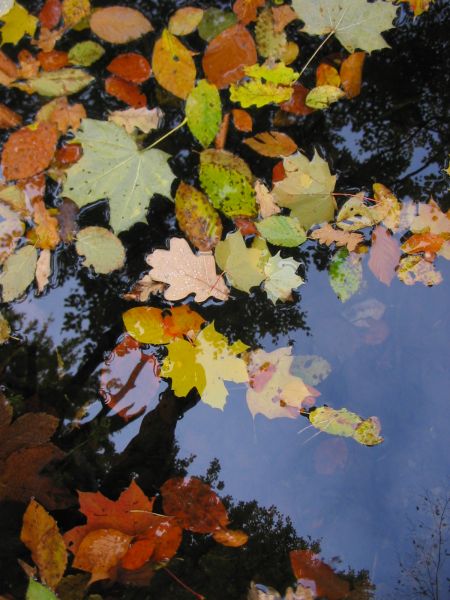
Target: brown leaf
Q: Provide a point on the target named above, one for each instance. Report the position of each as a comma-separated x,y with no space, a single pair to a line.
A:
100,553
67,220
63,115
384,255
242,120
247,10
187,273
351,73
28,152
282,16
119,24
272,143
8,118
267,204
46,229
328,235
306,565
296,105
144,288
41,536
227,55
221,137
197,218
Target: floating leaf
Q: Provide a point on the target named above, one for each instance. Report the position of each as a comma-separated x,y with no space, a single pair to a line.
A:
242,120
63,115
43,269
307,566
267,205
173,65
100,552
119,24
307,189
345,273
247,10
346,424
204,112
431,219
50,14
259,94
125,91
356,24
8,118
85,54
415,269
29,151
327,75
281,278
143,288
123,174
5,330
102,250
17,22
197,218
131,67
311,368
423,242
272,72
322,96
53,60
74,11
187,273
244,266
41,536
351,74
185,20
37,591
384,255
274,392
227,55
59,83
215,21
272,144
11,230
296,104
137,118
282,231
226,180
18,273
328,235
149,325
270,42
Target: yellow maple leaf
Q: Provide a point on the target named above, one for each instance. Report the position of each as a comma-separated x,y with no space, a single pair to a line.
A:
16,23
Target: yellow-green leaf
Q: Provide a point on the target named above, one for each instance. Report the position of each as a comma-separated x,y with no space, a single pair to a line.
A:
102,250
277,73
204,112
17,23
280,230
322,96
244,266
18,273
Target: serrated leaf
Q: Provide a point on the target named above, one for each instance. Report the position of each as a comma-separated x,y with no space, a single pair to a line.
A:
307,189
282,231
204,112
356,23
277,73
328,235
226,180
322,96
344,423
85,54
215,21
103,251
18,273
259,93
345,272
281,278
58,83
197,218
17,22
112,167
244,266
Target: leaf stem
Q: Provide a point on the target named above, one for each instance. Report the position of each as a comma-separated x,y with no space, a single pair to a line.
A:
356,196
311,58
166,135
184,585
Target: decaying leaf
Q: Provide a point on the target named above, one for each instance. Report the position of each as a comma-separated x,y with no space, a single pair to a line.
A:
9,118
5,330
345,272
271,42
29,151
327,75
247,10
351,74
197,218
244,267
119,24
11,230
173,65
63,115
328,235
187,273
57,83
347,424
144,288
73,11
102,250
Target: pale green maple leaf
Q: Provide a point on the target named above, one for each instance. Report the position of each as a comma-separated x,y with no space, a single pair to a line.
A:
114,168
356,23
244,267
281,277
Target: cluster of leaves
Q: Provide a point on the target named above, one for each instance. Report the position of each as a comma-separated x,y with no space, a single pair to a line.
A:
92,160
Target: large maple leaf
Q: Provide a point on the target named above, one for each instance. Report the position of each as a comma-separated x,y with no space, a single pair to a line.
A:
113,167
356,23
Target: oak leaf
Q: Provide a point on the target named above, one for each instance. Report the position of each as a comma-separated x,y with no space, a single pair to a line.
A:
187,273
328,235
119,24
43,269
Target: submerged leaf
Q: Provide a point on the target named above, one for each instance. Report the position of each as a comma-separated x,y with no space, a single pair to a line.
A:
149,325
345,272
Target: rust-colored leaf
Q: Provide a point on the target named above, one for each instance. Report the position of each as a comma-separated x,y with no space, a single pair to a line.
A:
306,565
230,537
28,152
242,120
100,553
159,543
131,67
327,75
46,229
119,24
63,115
247,10
68,154
41,536
194,504
221,137
351,73
29,65
282,16
8,118
384,255
227,55
423,242
50,14
54,60
272,143
197,218
297,105
126,91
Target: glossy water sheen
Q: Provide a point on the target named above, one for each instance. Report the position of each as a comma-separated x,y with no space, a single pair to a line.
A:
364,504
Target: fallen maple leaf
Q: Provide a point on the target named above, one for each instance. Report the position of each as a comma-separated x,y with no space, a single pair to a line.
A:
187,273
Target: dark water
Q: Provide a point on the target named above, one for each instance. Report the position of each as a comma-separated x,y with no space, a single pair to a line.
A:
369,507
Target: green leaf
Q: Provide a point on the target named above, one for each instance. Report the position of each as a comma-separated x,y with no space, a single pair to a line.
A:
281,278
282,231
18,272
37,591
84,54
307,189
226,180
214,22
204,112
113,167
345,273
322,96
344,423
58,83
356,23
244,266
103,251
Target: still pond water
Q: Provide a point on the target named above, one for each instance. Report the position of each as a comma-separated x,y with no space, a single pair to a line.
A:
366,506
